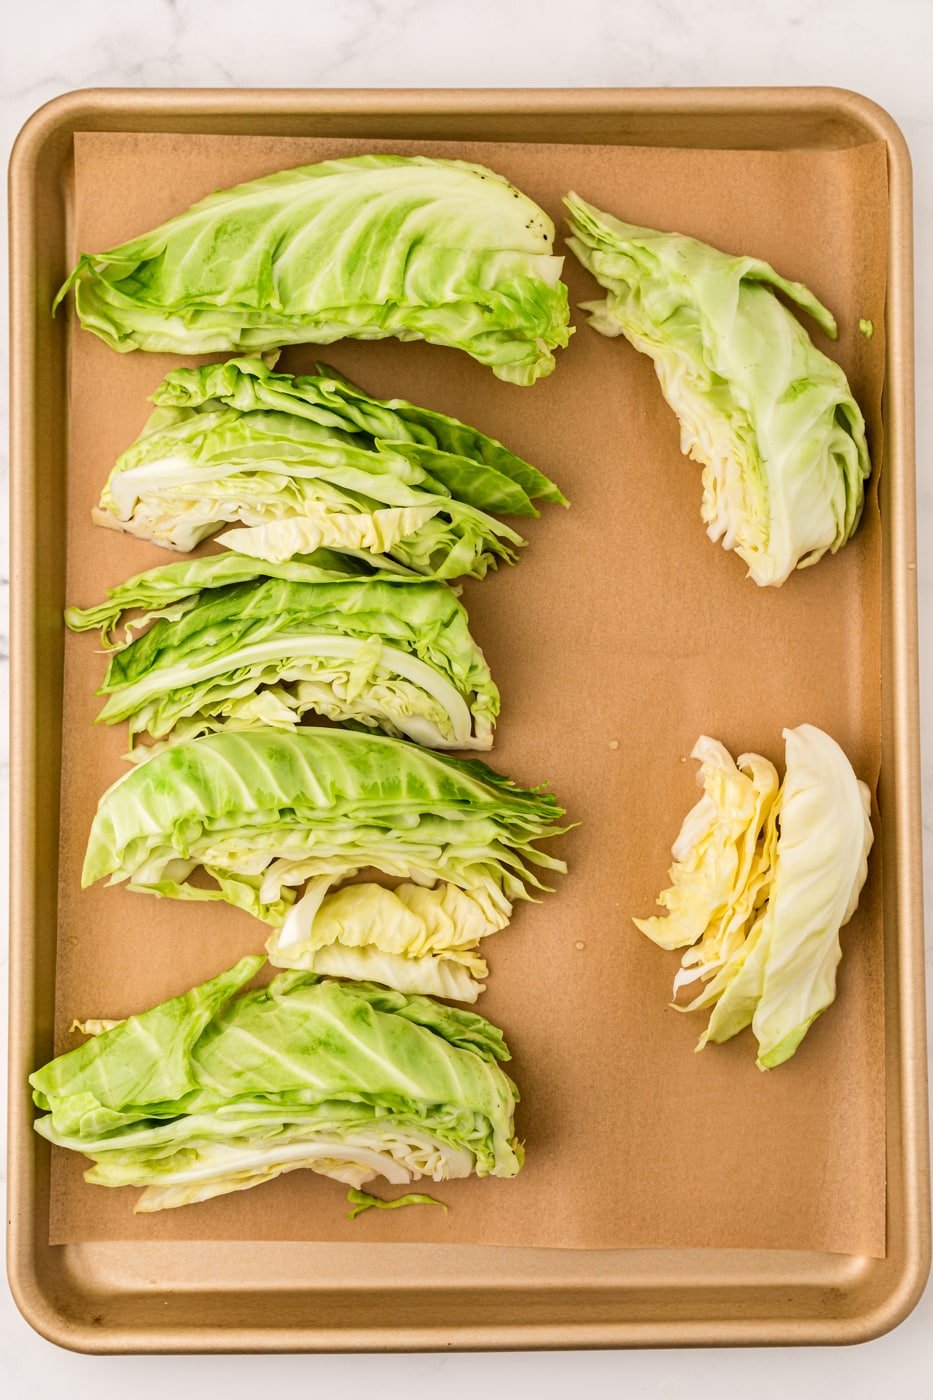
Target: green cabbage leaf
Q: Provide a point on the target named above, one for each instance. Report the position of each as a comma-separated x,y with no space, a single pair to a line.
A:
214,1092
366,246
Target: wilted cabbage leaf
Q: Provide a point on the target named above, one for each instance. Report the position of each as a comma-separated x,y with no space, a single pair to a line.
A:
366,246
312,463
212,1092
763,881
388,653
772,419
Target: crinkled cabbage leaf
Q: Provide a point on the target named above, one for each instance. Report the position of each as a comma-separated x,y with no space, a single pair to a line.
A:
763,881
367,246
771,418
214,1092
302,464
385,653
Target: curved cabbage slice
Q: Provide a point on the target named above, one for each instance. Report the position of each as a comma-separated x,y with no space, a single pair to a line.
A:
365,246
301,466
411,938
776,881
263,811
212,1092
770,417
821,865
386,653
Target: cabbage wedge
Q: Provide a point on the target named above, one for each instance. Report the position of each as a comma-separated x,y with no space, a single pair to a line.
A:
262,812
367,246
770,417
764,879
301,464
388,653
214,1092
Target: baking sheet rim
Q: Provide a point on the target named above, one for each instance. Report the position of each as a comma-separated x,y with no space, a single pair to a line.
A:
60,118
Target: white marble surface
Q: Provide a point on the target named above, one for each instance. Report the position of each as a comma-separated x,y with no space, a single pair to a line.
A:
879,47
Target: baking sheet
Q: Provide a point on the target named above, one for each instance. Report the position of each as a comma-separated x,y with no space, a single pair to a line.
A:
622,624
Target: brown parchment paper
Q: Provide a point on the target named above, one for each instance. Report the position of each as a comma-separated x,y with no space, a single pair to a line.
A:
622,635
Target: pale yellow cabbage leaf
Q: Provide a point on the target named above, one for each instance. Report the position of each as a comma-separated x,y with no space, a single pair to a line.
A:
412,938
